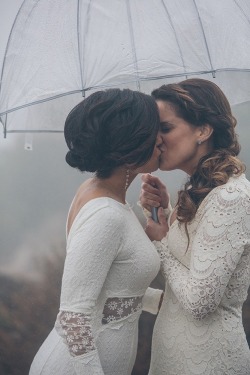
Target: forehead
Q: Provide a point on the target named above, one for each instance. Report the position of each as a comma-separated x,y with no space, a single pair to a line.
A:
169,116
166,109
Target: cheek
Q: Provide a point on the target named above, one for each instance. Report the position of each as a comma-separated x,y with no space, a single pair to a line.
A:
170,142
177,141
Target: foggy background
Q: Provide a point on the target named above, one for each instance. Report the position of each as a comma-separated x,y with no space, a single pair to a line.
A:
36,189
37,186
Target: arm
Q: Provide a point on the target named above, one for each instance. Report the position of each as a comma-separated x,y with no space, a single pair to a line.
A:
92,248
216,249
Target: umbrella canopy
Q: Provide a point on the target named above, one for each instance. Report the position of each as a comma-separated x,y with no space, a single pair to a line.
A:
61,50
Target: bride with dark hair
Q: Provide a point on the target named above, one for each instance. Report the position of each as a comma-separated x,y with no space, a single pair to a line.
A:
110,261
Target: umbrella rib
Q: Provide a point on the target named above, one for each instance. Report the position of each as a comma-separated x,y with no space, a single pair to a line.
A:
237,4
39,102
205,39
175,34
129,81
33,131
78,42
133,43
7,45
4,123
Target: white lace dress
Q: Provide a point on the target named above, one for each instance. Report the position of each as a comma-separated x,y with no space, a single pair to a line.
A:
199,328
109,264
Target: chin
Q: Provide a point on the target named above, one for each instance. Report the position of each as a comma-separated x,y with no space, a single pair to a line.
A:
156,166
163,167
150,169
153,169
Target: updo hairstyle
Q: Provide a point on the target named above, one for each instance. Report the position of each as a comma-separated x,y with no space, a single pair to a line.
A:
109,129
200,102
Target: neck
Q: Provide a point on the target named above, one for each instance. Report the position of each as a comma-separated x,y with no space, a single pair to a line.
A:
114,186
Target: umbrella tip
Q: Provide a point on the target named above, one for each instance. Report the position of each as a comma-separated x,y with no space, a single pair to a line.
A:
28,146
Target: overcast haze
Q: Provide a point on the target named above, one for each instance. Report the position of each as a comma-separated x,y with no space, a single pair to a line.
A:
37,186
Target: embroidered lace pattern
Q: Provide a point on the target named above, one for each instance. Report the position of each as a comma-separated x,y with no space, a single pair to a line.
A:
217,247
108,255
118,308
76,331
199,328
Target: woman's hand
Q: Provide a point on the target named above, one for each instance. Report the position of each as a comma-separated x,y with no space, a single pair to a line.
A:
156,231
153,192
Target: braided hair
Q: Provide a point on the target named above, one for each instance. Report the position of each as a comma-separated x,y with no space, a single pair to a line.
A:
200,102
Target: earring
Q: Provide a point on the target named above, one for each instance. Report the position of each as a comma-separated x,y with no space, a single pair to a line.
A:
127,179
199,142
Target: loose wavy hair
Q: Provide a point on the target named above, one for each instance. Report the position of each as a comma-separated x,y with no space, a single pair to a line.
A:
111,128
200,102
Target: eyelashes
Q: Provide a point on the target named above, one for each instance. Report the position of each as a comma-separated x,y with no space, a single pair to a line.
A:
165,129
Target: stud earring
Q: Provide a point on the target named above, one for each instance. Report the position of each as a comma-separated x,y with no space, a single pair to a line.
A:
199,142
127,179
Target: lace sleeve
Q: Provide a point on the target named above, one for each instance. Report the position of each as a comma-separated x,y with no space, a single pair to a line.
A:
92,247
76,330
222,235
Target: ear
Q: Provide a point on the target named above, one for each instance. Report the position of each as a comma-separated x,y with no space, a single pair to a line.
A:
205,132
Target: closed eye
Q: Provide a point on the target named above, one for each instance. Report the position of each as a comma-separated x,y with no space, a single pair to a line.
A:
165,128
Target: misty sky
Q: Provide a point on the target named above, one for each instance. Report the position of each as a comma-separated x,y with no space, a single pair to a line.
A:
37,186
36,191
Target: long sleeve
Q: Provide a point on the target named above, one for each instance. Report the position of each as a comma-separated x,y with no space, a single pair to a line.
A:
92,247
221,238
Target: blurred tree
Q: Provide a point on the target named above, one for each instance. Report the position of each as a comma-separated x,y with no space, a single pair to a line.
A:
28,311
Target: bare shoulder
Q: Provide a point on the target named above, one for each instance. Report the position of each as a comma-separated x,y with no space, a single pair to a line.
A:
85,193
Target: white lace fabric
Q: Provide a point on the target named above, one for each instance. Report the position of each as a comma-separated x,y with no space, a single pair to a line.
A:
119,308
199,328
110,262
219,242
76,330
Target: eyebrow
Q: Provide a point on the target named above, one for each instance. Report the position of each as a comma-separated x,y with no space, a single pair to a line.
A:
166,123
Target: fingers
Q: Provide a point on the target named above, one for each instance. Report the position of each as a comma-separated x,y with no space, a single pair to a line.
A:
156,231
153,189
149,200
153,192
150,192
151,230
152,180
162,217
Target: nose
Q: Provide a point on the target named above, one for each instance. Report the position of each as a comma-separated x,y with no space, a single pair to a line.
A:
159,139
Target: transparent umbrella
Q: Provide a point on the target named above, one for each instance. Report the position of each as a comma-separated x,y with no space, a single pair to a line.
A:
61,50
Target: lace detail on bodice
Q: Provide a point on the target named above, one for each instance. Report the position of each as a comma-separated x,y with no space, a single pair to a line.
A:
76,331
75,328
117,308
220,241
199,327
